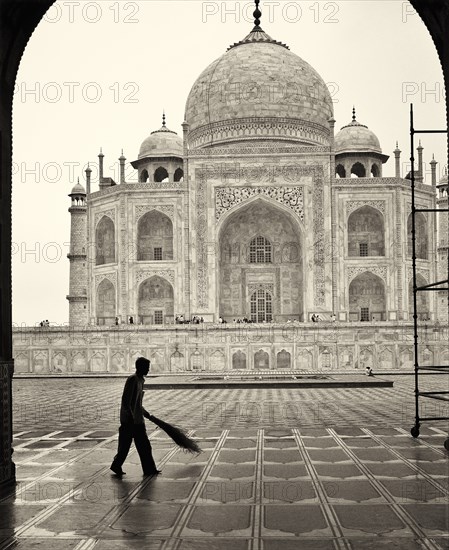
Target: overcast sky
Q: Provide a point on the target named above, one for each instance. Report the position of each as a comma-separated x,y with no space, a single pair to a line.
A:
99,74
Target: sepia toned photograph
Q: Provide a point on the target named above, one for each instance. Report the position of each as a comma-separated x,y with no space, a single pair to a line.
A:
224,285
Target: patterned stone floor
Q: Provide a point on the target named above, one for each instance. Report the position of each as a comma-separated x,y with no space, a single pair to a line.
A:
281,469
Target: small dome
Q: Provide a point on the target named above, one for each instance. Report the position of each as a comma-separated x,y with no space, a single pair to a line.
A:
444,179
162,143
78,189
356,138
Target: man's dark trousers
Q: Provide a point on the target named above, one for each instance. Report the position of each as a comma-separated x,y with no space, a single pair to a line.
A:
128,432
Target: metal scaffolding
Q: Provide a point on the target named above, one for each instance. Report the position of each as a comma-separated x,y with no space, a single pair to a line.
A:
432,287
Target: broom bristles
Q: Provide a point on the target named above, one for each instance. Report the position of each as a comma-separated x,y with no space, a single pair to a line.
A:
178,435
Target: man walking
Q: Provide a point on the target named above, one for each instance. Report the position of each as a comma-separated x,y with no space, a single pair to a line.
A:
132,423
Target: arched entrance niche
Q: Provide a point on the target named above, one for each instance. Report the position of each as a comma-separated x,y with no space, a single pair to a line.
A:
105,241
367,298
260,264
156,302
154,237
366,232
106,303
421,236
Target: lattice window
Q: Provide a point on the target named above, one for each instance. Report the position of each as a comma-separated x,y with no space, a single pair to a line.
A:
157,253
326,360
260,251
158,317
261,306
363,249
364,314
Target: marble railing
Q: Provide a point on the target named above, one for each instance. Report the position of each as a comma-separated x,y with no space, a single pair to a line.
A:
212,347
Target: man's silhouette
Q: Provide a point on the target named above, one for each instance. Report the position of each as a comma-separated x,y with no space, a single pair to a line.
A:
132,423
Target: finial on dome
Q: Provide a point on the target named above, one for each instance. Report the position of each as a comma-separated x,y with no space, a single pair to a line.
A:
353,113
420,146
163,118
78,180
257,14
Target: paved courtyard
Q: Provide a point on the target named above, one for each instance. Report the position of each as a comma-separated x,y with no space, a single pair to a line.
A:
281,469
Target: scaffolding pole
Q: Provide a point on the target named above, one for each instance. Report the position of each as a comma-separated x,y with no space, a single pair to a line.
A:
435,286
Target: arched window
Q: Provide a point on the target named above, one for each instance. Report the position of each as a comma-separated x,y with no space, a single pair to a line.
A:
105,241
284,360
160,175
144,177
358,170
239,360
156,302
366,233
261,306
375,171
105,303
261,360
260,251
340,171
421,239
154,237
367,298
179,175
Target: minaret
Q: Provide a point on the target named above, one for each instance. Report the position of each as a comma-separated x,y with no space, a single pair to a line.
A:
77,296
122,160
433,169
419,177
88,178
100,166
397,158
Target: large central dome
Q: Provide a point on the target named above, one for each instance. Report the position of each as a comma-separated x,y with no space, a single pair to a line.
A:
258,90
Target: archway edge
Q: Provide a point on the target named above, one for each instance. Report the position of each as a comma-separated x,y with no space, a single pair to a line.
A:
18,20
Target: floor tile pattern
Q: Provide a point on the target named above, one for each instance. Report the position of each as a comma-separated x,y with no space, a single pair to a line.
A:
354,481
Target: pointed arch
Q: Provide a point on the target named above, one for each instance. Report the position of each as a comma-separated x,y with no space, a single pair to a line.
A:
106,303
421,236
283,360
155,301
144,176
366,232
154,237
160,174
358,170
105,241
257,241
367,299
239,360
178,175
340,171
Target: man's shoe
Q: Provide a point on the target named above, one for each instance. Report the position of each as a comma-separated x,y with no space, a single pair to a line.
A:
117,471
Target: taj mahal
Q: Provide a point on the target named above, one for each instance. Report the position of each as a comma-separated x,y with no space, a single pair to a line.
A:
264,210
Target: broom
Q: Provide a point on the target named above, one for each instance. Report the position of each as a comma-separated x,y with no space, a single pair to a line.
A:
178,435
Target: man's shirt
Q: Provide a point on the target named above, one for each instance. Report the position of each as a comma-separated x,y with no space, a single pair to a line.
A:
131,410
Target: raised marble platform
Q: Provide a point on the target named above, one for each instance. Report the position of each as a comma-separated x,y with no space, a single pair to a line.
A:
256,380
313,347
